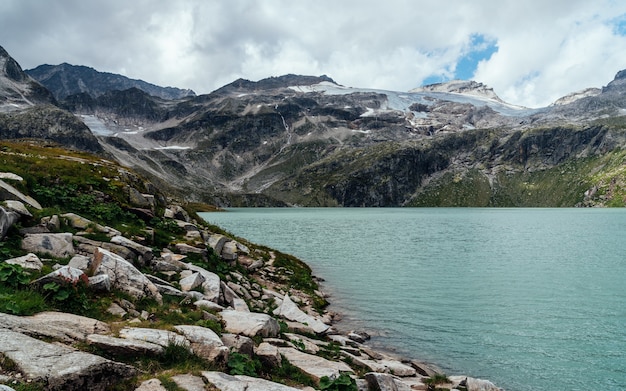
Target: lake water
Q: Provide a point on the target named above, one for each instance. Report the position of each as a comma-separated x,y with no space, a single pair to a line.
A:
531,299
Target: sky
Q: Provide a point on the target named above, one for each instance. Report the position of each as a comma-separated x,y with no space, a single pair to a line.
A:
531,52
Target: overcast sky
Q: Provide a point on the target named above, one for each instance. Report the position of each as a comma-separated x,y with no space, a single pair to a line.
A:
530,51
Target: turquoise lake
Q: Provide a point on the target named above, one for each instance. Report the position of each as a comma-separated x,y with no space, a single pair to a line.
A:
531,299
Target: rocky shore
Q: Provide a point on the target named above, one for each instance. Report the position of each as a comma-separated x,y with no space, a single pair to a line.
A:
206,311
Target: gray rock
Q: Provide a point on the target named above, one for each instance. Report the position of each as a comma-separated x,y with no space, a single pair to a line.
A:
116,310
385,382
81,262
63,275
19,207
8,192
238,343
29,261
60,367
211,284
216,242
124,276
151,385
226,382
474,384
55,245
204,342
193,281
7,219
229,251
75,221
184,248
124,346
100,283
3,387
144,253
289,310
208,305
11,176
230,298
268,354
189,382
155,336
314,366
250,324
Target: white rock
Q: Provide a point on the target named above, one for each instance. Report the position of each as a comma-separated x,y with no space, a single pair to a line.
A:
314,366
191,282
204,342
289,310
226,382
156,336
250,324
55,245
28,261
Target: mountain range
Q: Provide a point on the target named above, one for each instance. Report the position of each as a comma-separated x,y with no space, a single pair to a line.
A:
309,141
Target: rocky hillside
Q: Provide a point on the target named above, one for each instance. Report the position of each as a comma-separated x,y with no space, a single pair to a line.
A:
65,80
107,284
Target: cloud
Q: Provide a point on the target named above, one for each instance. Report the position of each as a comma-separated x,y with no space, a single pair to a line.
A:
530,52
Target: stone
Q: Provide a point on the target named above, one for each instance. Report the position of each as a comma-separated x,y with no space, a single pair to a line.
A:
155,336
8,192
81,262
359,336
314,366
208,305
11,176
116,310
385,382
268,355
216,242
60,367
204,342
189,382
7,219
211,285
75,221
307,344
3,387
19,207
124,346
226,382
289,310
63,275
250,324
238,343
29,261
184,248
57,245
229,251
56,325
193,281
101,283
151,385
124,276
53,223
144,253
473,384
383,366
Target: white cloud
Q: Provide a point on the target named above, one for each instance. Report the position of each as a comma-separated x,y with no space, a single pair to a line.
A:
545,48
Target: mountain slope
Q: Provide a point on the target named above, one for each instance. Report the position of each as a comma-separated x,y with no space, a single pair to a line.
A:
64,80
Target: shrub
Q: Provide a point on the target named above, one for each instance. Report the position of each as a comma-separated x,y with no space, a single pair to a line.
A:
342,383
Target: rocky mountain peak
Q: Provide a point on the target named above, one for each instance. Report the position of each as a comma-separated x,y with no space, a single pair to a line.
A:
10,68
618,82
466,87
274,82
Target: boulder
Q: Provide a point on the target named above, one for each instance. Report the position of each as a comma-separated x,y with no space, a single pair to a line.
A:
11,176
8,192
124,346
89,246
60,367
19,207
289,310
155,336
229,251
7,219
144,253
250,324
216,242
193,281
184,248
238,343
64,275
382,366
55,245
204,342
151,385
230,298
75,221
189,382
385,382
208,305
100,283
29,261
211,284
473,384
124,276
268,355
314,366
226,382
